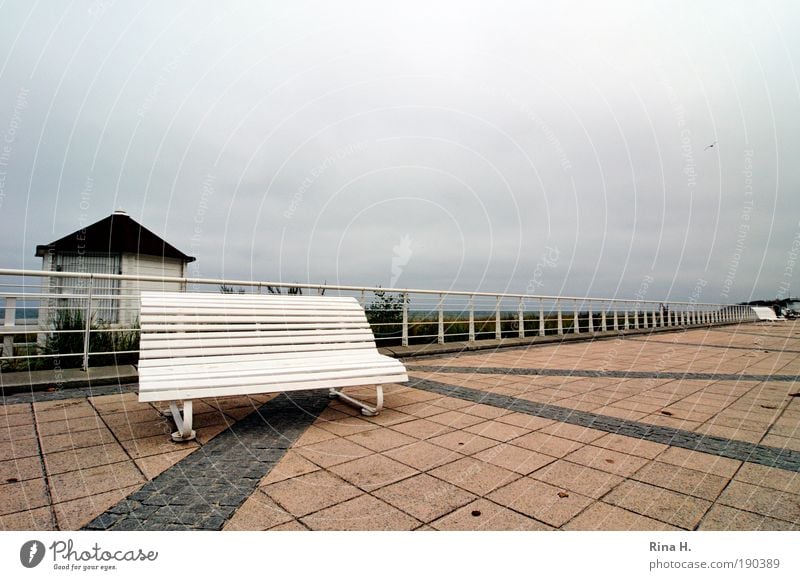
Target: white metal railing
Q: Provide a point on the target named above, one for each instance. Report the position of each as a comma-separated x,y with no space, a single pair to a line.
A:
69,331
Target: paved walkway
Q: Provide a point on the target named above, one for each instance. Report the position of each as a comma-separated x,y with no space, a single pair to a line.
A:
687,430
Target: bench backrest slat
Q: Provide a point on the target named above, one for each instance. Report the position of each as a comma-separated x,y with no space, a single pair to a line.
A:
192,325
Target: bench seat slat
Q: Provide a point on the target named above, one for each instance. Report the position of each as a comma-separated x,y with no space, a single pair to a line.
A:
260,388
219,374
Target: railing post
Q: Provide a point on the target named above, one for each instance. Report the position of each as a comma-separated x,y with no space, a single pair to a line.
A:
560,319
636,315
10,320
590,321
521,318
577,328
405,319
440,310
644,311
541,317
627,322
603,321
616,318
471,319
498,331
88,325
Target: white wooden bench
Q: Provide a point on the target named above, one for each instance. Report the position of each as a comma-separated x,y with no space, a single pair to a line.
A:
198,345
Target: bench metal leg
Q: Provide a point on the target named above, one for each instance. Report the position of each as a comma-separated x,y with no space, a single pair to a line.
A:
367,410
183,423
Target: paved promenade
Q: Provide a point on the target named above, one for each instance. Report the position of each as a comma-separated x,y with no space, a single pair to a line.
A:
674,430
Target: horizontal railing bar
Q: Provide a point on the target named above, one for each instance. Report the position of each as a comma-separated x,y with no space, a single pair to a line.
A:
262,284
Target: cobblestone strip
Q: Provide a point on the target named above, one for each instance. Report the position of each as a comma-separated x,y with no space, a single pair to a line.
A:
722,447
612,374
202,491
67,393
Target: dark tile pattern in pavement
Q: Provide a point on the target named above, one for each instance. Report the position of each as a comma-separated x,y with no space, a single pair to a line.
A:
786,459
202,491
599,373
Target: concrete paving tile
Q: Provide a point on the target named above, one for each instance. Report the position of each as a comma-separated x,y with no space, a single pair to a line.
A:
23,416
475,476
292,464
547,444
154,465
485,515
422,428
762,500
573,432
308,493
63,410
704,462
333,452
346,426
388,417
94,480
374,471
74,514
782,480
463,442
424,497
781,442
682,480
607,460
55,443
620,413
293,526
525,421
380,440
13,470
423,456
23,496
132,417
486,411
498,431
40,519
667,506
452,403
147,446
362,513
579,478
725,518
258,512
313,435
17,432
419,410
513,458
455,419
604,517
70,426
18,449
551,505
83,458
631,445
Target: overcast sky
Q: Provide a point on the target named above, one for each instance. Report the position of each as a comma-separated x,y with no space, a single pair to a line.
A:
495,146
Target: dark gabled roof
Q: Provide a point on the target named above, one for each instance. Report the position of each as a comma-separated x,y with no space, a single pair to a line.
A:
116,234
